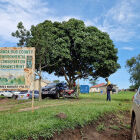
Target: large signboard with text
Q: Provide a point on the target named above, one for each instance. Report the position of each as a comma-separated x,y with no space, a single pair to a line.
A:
17,66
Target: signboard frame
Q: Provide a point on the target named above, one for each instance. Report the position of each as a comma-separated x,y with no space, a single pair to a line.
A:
17,68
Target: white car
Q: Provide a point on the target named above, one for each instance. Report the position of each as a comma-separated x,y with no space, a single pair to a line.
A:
8,94
15,94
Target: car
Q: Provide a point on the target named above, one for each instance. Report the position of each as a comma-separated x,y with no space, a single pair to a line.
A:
15,94
53,90
23,95
36,94
1,93
7,94
135,117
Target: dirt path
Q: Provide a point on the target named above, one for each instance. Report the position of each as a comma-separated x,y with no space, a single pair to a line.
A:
7,104
110,127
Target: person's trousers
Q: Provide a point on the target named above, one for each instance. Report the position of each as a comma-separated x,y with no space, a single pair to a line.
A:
108,96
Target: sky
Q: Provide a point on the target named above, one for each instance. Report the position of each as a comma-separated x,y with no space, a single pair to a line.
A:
119,18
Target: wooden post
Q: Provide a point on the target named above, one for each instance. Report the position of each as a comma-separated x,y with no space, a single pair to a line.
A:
33,92
40,96
78,89
33,78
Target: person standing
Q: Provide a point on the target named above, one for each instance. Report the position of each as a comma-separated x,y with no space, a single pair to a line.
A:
108,89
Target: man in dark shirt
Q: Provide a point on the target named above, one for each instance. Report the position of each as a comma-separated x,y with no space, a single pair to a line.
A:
108,89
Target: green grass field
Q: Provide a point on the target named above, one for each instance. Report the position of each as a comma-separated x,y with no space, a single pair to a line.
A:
18,124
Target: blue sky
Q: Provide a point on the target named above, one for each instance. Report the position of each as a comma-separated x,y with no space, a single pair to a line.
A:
119,18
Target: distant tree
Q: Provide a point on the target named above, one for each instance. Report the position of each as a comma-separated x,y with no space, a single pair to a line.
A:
56,81
133,66
93,82
72,50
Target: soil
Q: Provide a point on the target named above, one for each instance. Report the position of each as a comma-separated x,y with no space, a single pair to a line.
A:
109,127
3,100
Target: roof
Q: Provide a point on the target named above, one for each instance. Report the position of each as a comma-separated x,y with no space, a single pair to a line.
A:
99,85
44,80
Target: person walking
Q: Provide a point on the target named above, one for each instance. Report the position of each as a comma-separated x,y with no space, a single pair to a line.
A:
108,89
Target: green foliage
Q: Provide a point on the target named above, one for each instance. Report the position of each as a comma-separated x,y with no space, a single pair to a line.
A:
133,66
71,49
23,35
93,82
56,81
115,127
100,127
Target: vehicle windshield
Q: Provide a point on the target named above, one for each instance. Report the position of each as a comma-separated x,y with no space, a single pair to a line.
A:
23,92
51,85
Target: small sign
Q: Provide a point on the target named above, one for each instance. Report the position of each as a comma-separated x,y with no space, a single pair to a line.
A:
84,88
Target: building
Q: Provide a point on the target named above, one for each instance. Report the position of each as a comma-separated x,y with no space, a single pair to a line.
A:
102,87
43,83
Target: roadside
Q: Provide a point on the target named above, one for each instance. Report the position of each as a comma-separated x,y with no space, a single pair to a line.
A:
44,123
109,127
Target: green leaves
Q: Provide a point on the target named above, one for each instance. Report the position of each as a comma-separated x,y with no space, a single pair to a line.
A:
70,47
133,66
22,34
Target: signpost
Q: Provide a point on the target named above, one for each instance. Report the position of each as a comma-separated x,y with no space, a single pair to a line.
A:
84,89
17,68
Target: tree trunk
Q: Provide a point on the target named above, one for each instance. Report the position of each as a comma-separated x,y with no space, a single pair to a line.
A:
70,79
40,96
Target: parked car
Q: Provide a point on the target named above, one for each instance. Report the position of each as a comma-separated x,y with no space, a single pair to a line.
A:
1,93
36,94
53,90
135,119
7,94
15,94
24,95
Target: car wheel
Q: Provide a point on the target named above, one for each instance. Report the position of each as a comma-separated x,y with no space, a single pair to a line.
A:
43,96
134,130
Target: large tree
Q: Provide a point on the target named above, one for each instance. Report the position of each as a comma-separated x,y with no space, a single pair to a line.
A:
133,66
73,50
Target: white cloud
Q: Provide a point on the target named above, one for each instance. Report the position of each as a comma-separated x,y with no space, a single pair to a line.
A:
88,23
28,11
120,21
122,12
128,48
63,18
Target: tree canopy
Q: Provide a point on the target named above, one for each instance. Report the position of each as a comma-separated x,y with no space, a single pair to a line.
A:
71,49
133,66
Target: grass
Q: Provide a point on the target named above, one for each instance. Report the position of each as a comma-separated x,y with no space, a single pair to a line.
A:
100,127
89,107
115,127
